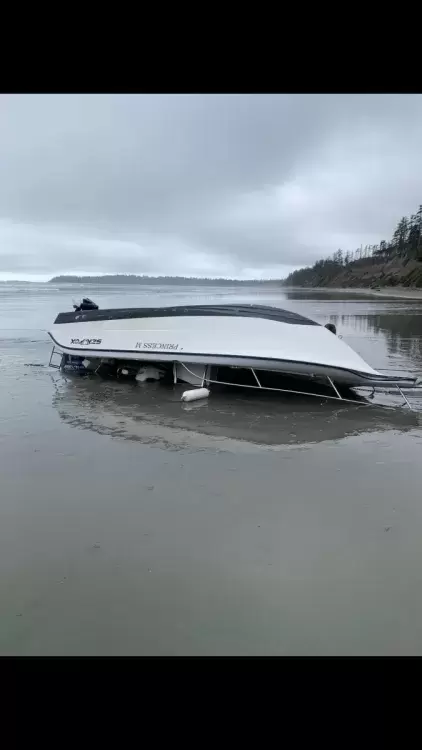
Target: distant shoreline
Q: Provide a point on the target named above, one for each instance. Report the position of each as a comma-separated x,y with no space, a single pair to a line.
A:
161,280
396,292
400,292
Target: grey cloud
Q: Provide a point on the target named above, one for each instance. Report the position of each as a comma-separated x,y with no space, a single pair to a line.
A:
222,183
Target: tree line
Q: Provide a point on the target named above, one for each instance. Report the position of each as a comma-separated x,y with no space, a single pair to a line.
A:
161,280
405,245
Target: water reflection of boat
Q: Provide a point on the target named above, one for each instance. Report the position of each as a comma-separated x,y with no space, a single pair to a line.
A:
152,414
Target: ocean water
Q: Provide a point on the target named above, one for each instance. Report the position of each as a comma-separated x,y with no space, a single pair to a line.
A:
131,523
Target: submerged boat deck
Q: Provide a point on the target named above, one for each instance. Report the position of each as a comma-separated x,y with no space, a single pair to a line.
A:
272,381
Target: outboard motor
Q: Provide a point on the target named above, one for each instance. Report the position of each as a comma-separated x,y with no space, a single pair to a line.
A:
86,304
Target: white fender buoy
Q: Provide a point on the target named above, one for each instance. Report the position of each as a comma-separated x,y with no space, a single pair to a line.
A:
195,394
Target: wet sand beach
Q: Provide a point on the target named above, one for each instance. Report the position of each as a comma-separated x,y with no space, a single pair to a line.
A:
396,292
131,523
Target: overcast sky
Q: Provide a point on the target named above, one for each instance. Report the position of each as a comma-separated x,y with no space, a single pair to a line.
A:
208,185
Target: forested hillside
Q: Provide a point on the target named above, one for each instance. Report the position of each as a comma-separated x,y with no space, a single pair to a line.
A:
393,262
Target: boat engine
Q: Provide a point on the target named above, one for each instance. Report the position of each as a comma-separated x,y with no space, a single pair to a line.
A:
86,304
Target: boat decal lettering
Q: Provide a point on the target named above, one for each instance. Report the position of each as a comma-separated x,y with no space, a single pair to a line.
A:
85,342
155,345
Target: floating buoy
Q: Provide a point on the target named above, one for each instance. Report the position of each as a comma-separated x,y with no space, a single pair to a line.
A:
195,394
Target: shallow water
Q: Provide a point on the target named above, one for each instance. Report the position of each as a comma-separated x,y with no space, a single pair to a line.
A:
131,523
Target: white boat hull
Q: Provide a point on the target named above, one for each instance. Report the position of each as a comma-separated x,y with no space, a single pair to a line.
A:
221,340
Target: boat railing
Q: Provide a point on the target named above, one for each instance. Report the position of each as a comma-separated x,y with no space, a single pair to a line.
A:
336,397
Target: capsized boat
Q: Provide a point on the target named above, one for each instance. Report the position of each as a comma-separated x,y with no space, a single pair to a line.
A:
200,343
